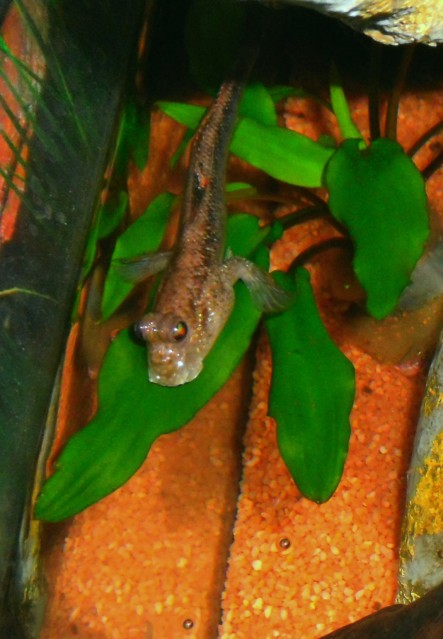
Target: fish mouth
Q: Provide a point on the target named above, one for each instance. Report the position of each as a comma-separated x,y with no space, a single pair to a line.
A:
169,367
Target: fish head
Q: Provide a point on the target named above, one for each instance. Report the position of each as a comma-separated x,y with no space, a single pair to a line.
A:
173,354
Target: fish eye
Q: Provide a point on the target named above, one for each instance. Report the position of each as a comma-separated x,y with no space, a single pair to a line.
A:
179,331
136,333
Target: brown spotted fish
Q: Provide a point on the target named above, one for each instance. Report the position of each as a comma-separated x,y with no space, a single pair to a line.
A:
196,295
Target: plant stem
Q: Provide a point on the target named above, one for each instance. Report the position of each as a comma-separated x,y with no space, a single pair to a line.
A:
424,139
392,114
374,91
433,166
313,251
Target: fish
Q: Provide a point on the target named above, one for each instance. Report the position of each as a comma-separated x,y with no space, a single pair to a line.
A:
196,295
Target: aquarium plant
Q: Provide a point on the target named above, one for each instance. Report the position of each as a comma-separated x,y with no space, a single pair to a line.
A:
375,194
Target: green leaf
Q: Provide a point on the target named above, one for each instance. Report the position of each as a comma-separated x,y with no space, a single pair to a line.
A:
108,218
112,214
133,137
245,235
233,187
257,104
327,140
312,392
187,114
133,412
341,108
379,195
143,236
283,154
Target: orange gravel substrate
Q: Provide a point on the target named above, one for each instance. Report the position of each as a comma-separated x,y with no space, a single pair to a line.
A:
151,558
301,570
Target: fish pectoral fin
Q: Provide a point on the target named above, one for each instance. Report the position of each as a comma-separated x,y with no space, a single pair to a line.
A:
265,293
141,267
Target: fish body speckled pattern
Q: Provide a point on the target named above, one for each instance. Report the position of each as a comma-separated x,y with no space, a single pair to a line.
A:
387,21
196,295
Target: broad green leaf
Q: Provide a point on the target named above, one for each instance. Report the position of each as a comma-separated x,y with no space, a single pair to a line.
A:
379,195
133,412
143,236
283,154
327,140
187,114
257,104
312,392
247,245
